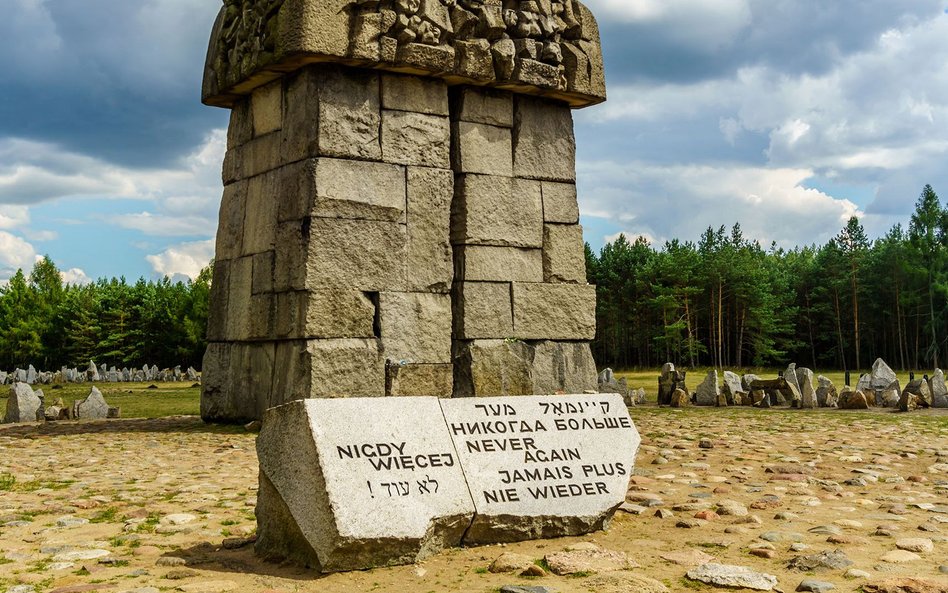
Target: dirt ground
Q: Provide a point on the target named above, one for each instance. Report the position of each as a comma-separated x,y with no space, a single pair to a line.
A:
162,496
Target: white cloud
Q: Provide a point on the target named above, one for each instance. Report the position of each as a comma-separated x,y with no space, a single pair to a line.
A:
680,201
75,276
15,253
12,216
186,259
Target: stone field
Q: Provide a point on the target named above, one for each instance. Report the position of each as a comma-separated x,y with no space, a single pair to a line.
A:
853,499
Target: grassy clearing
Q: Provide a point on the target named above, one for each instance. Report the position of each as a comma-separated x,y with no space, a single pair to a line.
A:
135,399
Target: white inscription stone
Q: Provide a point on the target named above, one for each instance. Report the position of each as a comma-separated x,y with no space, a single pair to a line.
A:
350,484
542,466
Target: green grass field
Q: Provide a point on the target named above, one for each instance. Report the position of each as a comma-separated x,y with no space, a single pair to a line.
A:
135,399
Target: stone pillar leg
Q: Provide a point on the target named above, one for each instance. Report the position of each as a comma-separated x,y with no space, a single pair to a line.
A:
523,313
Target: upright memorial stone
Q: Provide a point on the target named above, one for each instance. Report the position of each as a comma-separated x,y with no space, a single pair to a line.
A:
399,201
358,483
541,467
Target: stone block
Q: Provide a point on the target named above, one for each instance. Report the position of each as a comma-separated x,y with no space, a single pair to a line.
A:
338,492
482,310
488,368
416,139
486,263
226,380
23,405
431,58
413,93
564,255
559,202
482,106
544,146
349,113
560,468
261,317
554,311
266,105
263,273
326,313
240,130
429,265
93,407
260,213
301,115
262,154
415,326
481,148
493,210
318,253
230,227
218,301
345,367
296,190
240,290
563,367
359,190
436,380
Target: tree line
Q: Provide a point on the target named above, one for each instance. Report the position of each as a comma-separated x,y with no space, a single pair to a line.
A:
725,301
49,324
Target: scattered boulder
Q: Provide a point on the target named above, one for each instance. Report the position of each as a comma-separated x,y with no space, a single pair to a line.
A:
23,405
733,389
835,560
510,562
853,400
915,395
808,397
939,390
723,575
826,394
670,381
708,392
679,399
585,558
93,407
815,586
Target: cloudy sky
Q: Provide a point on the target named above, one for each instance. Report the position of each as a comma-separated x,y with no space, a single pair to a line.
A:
788,116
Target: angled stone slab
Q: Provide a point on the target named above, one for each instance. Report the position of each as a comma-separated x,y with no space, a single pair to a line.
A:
352,484
542,466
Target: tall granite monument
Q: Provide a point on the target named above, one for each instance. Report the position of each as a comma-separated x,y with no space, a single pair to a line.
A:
399,213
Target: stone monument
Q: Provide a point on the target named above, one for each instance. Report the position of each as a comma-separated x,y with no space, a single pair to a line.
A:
356,483
399,213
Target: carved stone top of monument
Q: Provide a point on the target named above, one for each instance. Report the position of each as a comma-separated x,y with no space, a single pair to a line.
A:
539,47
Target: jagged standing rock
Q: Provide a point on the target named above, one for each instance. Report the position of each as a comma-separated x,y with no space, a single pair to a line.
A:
23,405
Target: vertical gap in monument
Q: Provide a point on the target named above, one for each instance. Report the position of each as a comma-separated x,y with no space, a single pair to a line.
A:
459,388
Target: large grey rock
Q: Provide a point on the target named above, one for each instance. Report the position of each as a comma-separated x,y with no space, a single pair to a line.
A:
708,391
733,389
826,394
92,372
23,405
939,390
882,377
737,577
358,483
808,397
540,467
31,375
93,407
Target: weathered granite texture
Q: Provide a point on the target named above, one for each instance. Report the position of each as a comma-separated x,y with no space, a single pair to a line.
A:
388,234
549,48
